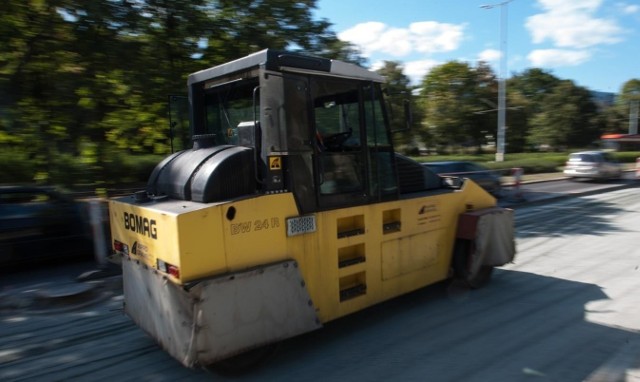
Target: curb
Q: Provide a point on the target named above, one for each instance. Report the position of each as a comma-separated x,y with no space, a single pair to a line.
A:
558,178
557,197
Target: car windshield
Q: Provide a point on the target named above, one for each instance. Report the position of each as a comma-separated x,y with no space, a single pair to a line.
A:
582,158
440,168
453,168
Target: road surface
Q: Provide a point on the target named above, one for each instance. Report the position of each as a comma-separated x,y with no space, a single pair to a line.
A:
568,309
560,187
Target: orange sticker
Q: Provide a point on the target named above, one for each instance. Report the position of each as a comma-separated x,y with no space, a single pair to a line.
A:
275,163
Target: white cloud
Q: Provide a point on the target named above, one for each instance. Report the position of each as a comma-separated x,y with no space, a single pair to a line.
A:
431,36
377,37
377,65
416,70
572,24
558,57
629,9
395,42
569,6
490,55
364,34
423,37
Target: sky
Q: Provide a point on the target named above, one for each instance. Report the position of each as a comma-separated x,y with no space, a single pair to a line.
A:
595,43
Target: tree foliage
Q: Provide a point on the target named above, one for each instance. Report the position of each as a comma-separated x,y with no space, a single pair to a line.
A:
82,82
566,118
543,111
455,98
89,79
525,95
398,91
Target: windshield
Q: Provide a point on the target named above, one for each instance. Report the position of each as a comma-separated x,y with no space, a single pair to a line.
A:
582,158
228,106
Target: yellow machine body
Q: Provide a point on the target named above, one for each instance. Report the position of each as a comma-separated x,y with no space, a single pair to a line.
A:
356,257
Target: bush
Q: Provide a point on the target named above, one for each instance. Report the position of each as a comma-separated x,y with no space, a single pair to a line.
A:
16,167
122,168
627,156
531,163
75,172
69,170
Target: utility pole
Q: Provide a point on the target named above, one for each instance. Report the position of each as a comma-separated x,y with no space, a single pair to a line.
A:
502,86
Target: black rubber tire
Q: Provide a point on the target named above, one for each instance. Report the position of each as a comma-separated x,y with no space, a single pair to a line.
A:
481,278
245,362
461,253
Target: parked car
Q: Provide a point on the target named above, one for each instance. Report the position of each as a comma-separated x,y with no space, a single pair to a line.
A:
483,176
40,223
592,165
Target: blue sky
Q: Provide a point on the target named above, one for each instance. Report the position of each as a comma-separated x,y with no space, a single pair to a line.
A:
595,43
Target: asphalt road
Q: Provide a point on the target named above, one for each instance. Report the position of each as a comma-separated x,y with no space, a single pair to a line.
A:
567,310
561,187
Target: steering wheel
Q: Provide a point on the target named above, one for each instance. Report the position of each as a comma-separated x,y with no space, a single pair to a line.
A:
335,141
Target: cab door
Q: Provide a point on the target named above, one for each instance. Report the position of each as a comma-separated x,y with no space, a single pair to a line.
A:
354,160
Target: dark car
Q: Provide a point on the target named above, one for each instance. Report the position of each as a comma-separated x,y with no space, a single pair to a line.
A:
484,177
40,223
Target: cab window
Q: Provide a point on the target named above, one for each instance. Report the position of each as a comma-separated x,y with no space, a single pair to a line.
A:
228,106
354,155
338,125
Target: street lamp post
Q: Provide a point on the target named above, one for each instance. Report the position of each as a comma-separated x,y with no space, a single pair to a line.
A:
502,86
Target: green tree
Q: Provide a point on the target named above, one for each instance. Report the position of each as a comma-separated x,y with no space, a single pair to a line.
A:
456,98
86,80
240,27
37,73
534,84
399,97
566,118
517,122
628,101
484,124
525,93
611,119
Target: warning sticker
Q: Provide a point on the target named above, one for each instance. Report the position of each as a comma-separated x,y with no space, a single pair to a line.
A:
275,163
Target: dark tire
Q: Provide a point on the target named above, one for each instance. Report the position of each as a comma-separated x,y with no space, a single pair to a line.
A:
245,362
496,191
481,278
462,263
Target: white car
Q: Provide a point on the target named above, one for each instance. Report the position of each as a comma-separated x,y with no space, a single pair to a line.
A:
592,165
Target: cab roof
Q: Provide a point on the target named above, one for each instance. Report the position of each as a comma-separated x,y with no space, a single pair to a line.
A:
286,61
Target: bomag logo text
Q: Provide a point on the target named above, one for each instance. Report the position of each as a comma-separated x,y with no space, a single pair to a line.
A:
141,225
